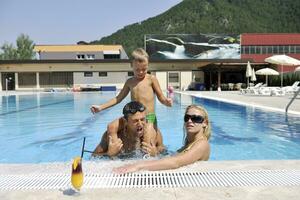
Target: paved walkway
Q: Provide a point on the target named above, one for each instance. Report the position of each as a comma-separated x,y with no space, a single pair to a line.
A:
275,103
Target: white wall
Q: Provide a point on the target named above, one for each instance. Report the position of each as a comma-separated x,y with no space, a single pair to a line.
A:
162,79
117,79
185,79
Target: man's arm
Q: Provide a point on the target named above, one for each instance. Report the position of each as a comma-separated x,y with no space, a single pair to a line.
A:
152,141
114,127
102,147
123,93
159,142
108,146
161,97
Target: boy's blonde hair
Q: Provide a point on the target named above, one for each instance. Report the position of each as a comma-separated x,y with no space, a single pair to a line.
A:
140,55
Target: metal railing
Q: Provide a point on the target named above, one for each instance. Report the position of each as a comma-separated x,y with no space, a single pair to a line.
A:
291,101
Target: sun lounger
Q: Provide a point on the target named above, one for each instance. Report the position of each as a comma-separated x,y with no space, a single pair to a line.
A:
291,89
251,90
271,91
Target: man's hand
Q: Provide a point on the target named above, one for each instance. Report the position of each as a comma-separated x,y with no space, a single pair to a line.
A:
114,146
149,148
94,109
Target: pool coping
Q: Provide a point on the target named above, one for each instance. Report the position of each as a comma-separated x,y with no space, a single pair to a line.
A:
249,192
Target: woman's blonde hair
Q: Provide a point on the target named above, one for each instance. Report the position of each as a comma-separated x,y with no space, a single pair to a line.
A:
140,55
207,129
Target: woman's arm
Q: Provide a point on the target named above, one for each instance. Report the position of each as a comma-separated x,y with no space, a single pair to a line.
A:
199,151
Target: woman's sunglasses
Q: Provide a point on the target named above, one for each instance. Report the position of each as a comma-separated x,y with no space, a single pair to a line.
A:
195,118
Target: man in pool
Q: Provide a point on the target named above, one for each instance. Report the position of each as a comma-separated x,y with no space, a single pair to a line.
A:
132,129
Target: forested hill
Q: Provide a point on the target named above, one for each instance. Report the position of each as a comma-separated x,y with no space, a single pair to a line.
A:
213,16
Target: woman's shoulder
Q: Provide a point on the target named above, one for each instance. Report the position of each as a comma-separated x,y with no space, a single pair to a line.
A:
200,144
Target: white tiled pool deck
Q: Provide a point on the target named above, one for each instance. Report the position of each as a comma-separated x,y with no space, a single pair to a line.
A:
240,192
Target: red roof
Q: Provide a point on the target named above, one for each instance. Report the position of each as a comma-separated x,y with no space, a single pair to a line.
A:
270,39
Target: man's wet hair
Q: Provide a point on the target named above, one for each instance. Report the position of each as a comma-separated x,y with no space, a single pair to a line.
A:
133,107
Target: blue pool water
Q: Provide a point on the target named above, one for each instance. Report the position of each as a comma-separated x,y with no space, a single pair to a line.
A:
50,127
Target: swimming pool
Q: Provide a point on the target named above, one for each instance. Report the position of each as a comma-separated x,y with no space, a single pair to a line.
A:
50,128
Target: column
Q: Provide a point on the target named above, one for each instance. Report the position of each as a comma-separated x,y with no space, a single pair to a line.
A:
16,81
219,80
0,81
37,80
210,81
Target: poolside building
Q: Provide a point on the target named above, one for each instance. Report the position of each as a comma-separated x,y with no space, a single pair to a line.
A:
218,63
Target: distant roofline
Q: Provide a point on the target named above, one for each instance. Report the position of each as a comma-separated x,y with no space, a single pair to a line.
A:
76,47
270,33
64,61
126,61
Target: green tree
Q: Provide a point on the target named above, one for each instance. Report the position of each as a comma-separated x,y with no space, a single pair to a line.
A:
23,51
25,47
9,52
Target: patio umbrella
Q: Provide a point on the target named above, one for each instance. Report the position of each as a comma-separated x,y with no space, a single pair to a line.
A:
282,60
253,76
267,72
248,72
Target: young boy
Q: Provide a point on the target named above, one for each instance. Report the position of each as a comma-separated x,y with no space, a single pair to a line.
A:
142,87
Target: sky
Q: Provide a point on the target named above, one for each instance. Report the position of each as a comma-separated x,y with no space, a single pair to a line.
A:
70,21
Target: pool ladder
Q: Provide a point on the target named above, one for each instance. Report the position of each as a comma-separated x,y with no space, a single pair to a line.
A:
291,101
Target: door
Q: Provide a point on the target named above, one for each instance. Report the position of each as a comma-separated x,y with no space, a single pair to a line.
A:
8,81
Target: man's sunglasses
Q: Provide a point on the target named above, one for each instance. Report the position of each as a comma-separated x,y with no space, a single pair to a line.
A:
195,118
134,109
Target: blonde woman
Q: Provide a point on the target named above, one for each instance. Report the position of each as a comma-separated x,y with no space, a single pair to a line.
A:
196,146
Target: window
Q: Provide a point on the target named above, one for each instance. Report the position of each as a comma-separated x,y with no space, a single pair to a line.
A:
246,49
275,49
80,57
297,49
130,74
258,50
252,49
88,74
111,56
90,56
102,73
173,77
281,49
264,49
270,49
242,50
292,49
286,49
